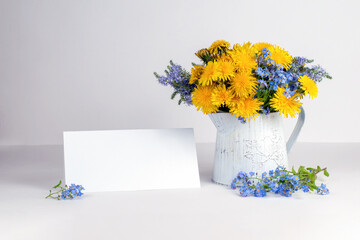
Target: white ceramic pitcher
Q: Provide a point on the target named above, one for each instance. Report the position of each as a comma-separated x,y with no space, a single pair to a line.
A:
255,146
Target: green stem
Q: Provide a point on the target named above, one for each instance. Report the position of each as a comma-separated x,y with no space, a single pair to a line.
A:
51,194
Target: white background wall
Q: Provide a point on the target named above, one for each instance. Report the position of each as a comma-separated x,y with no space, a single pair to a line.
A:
87,65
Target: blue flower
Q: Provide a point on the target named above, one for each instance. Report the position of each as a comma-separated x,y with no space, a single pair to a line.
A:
262,83
242,119
262,72
266,111
323,190
305,188
233,183
244,191
267,180
273,186
259,190
265,52
288,93
270,62
251,173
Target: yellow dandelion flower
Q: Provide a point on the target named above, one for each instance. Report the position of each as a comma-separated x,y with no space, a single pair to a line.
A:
234,100
286,106
259,46
247,108
196,72
309,86
225,57
202,52
280,56
221,96
218,46
201,98
243,84
243,57
209,74
225,70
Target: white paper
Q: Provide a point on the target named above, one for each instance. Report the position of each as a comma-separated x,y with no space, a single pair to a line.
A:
124,160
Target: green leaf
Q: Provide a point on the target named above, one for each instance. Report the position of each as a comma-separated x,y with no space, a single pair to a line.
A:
318,168
57,184
326,173
173,95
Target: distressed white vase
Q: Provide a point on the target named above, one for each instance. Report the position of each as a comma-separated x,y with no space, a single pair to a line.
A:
255,146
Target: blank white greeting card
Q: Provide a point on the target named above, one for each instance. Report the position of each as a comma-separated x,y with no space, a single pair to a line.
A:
125,160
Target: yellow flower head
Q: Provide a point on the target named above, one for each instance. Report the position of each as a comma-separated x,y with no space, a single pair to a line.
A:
196,72
243,84
225,70
309,86
280,56
209,74
225,57
201,98
246,107
286,106
259,46
218,46
243,57
221,96
202,52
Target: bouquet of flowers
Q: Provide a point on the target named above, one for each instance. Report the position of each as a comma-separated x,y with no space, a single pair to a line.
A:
245,80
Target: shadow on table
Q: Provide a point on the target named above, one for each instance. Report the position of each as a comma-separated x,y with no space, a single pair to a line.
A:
205,154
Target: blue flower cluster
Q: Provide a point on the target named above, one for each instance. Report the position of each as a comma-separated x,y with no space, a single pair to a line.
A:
315,72
59,192
323,190
279,181
271,75
72,191
178,78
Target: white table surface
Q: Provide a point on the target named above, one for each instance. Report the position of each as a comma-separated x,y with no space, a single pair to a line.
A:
211,212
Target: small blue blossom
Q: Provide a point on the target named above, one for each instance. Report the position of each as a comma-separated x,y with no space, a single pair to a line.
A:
265,52
270,62
288,93
266,180
262,83
305,188
242,119
266,111
233,183
259,190
262,72
251,173
322,190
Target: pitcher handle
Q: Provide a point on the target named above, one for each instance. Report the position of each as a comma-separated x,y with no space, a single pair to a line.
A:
296,131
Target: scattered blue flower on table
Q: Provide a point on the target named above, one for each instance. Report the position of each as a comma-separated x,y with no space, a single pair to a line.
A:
67,192
279,181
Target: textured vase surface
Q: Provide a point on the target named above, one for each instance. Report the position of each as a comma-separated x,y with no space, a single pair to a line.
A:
255,146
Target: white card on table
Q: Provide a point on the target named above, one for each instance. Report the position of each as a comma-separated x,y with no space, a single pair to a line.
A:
124,160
